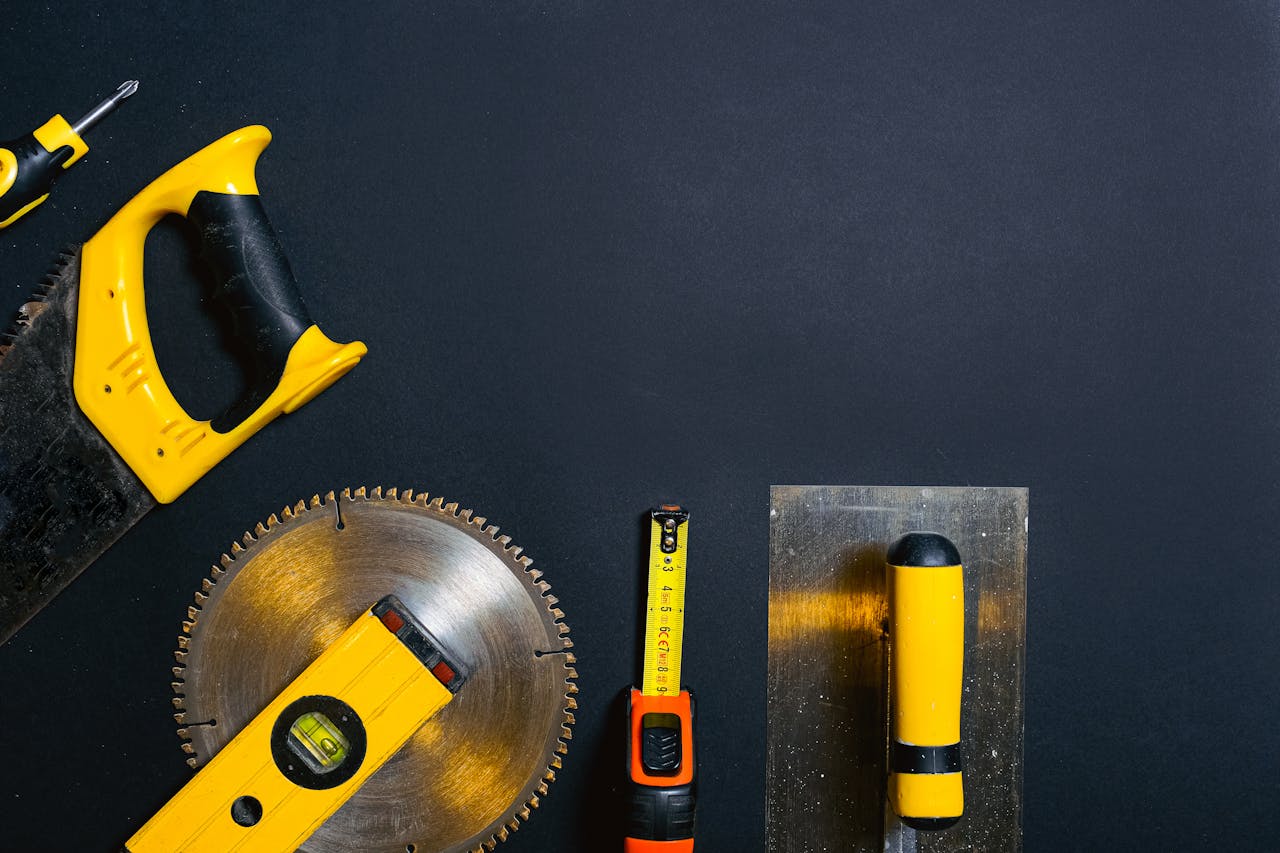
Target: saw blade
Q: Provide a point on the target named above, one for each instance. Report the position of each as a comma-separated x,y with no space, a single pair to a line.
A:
65,495
291,587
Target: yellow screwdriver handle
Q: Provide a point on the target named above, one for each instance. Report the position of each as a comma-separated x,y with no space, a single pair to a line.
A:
926,602
30,165
117,381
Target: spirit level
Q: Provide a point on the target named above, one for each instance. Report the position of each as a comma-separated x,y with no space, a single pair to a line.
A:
281,777
660,763
926,592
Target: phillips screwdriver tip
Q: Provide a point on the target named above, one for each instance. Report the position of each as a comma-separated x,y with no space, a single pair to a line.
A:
41,159
95,115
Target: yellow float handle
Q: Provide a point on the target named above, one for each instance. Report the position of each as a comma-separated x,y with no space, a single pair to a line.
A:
926,603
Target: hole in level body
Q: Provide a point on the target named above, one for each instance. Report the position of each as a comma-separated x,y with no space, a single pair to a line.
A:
246,811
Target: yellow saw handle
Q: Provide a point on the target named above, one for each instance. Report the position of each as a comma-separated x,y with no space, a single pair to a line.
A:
118,383
926,602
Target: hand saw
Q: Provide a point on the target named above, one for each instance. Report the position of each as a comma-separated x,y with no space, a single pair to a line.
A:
90,435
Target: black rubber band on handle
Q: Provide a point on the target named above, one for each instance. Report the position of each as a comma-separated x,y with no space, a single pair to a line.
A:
256,285
36,169
908,758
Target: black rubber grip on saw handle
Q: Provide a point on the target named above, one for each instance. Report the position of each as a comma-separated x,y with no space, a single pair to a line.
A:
256,285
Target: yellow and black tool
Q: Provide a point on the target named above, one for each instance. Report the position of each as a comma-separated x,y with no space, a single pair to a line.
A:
926,601
29,165
317,742
662,796
473,774
91,436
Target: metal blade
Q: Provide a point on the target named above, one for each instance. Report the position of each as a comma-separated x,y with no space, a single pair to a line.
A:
828,721
65,495
475,770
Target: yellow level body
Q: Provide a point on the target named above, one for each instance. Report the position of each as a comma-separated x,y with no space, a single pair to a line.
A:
372,672
664,617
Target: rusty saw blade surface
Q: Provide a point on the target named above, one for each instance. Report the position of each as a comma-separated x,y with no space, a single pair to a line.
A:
65,495
279,598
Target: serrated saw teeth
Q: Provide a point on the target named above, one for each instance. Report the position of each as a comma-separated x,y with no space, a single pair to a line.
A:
191,704
50,284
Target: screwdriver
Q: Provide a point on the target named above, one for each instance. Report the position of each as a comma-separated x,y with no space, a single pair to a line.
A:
926,603
29,165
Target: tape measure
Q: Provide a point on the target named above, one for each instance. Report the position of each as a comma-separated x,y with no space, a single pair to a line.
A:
664,619
662,795
317,742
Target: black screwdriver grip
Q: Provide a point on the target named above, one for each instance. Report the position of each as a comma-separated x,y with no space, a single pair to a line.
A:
256,285
36,170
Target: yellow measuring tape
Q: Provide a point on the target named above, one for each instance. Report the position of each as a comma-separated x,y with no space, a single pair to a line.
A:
664,619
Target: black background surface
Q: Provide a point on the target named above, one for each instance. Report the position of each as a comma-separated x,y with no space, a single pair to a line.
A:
607,258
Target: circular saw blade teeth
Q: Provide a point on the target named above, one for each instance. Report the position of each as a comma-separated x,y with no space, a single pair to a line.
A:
224,571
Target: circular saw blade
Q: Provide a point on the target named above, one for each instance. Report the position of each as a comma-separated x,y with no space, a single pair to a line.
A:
474,771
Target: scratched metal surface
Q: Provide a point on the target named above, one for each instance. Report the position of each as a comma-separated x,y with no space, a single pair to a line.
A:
827,681
65,495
